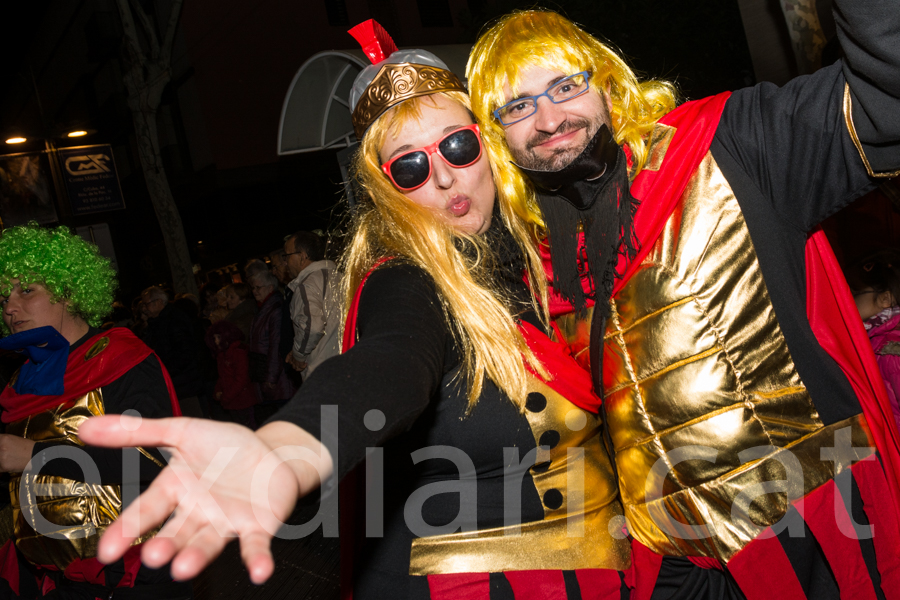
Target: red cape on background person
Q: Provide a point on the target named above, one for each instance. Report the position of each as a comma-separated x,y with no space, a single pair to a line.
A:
92,365
99,361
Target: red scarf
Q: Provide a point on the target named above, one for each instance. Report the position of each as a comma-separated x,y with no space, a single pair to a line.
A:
87,370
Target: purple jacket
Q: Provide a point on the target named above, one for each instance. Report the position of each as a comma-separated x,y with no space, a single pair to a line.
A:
265,333
885,338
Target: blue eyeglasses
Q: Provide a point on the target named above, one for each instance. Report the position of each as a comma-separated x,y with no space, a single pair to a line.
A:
561,91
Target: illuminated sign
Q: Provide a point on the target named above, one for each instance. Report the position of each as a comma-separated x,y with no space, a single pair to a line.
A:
91,180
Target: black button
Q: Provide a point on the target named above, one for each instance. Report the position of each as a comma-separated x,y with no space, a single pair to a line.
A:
535,402
549,439
541,467
553,499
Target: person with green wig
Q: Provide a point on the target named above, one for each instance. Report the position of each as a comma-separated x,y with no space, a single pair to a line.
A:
55,289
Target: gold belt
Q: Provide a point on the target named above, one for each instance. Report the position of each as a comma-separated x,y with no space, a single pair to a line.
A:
558,544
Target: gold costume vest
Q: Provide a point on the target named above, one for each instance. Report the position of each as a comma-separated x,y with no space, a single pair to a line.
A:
694,357
57,520
582,526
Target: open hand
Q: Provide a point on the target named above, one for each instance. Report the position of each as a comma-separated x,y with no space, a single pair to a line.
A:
222,481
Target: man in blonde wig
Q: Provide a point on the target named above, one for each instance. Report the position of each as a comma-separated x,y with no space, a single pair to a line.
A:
741,398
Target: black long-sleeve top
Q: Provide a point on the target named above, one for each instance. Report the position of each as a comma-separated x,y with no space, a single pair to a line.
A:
406,365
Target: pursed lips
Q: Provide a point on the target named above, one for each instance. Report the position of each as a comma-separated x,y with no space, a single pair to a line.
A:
459,205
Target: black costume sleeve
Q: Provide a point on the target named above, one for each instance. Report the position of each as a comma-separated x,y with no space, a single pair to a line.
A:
794,142
869,33
142,389
396,366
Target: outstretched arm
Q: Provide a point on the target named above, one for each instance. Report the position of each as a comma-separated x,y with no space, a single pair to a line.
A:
222,481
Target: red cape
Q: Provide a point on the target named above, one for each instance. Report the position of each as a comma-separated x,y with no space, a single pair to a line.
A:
97,362
86,370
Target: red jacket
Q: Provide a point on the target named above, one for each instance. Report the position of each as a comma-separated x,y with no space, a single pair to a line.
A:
234,378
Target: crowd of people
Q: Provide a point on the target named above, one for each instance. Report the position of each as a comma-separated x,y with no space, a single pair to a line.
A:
593,345
241,353
239,357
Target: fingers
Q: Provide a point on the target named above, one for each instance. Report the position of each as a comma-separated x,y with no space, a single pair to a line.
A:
200,552
257,556
120,430
152,508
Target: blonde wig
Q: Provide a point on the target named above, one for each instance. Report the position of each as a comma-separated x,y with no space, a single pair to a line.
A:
389,224
550,41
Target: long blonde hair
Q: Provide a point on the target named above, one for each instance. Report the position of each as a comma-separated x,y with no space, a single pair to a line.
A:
548,40
389,224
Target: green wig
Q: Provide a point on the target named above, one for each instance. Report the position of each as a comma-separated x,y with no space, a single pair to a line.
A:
69,267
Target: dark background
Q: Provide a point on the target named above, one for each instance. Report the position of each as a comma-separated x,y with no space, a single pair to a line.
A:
232,64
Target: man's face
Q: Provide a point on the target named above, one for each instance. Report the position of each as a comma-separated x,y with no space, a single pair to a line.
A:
28,307
556,134
151,307
279,268
296,261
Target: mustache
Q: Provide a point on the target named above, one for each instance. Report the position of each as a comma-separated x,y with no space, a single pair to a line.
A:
570,124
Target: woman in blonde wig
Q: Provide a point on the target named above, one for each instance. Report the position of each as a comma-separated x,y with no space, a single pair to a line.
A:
448,365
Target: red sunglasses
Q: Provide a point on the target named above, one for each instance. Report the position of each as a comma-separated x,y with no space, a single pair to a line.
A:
412,169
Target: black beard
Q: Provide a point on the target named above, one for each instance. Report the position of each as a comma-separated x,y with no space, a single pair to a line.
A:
592,193
560,157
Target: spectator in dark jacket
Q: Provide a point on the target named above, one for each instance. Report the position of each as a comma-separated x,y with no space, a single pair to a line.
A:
286,343
170,334
267,364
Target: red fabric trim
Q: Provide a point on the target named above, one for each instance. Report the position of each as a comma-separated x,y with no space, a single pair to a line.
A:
9,565
350,323
763,571
173,397
47,585
874,490
835,322
132,564
567,378
537,585
88,570
460,586
827,520
599,584
644,571
705,562
695,123
350,488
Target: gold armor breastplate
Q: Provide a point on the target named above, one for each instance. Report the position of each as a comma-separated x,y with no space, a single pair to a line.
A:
58,520
694,356
582,524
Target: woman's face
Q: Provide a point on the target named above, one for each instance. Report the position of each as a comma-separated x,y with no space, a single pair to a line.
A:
31,306
232,299
463,198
